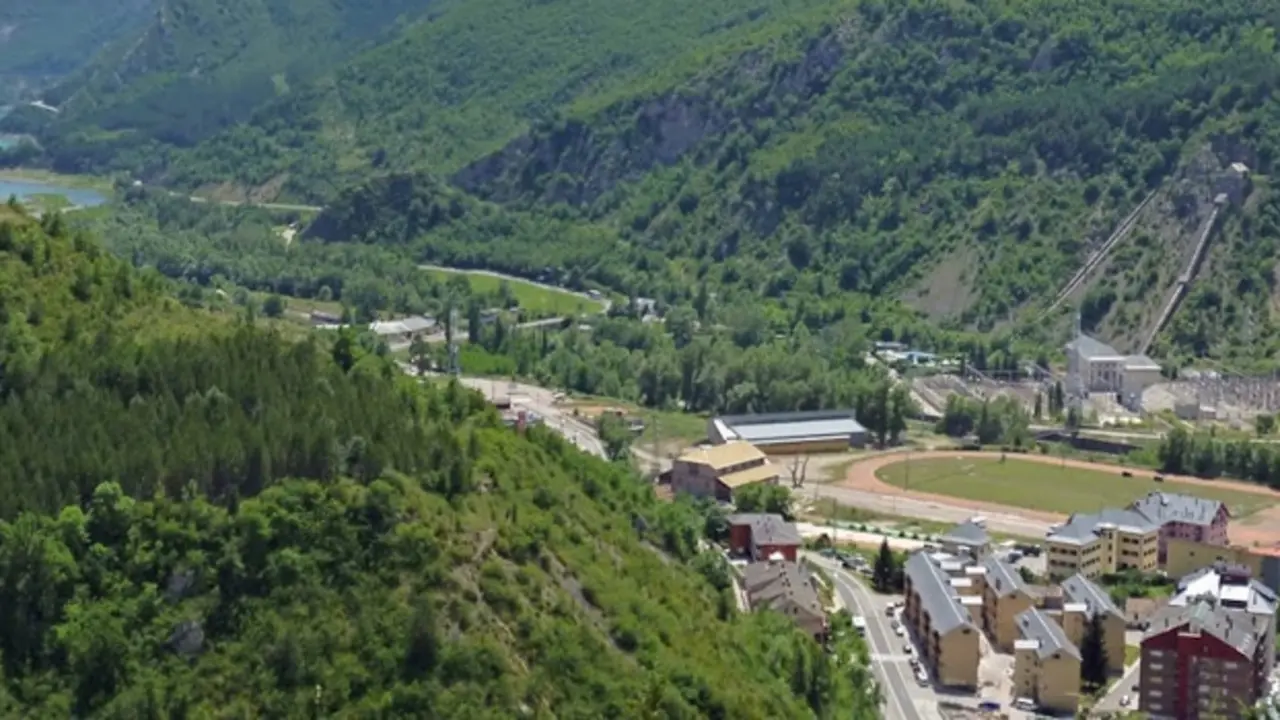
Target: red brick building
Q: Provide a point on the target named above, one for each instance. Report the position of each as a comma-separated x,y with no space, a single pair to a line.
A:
759,536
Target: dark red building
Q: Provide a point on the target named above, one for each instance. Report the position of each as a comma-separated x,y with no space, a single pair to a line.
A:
759,536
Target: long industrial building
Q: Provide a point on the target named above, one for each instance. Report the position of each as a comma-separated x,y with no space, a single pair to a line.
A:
791,433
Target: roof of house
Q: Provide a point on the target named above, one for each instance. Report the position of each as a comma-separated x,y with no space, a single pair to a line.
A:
1003,578
1081,528
937,597
782,586
768,529
1140,362
722,456
1080,589
1241,631
967,533
1162,507
1092,347
1047,634
777,428
401,326
759,473
1228,588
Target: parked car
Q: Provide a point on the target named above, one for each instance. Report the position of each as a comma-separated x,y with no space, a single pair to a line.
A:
989,706
1024,704
1124,701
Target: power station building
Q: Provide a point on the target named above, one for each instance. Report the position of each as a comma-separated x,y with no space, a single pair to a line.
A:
1096,367
791,433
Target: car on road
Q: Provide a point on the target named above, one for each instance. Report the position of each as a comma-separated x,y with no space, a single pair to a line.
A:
1024,704
1124,701
909,649
922,677
989,706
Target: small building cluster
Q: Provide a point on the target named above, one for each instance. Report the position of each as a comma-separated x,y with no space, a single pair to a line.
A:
773,579
1103,369
717,471
1139,537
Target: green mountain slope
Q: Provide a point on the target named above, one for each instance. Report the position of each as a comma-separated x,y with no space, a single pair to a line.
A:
42,41
205,520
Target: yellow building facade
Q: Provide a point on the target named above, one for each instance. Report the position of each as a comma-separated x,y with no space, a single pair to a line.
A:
1107,542
1046,663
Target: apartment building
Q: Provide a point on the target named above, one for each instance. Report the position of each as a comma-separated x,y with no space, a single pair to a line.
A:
1233,589
1109,541
1005,596
760,536
941,622
1046,663
787,588
717,471
1079,599
1184,517
1201,660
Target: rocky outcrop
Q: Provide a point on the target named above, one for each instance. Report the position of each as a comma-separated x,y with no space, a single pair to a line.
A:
577,161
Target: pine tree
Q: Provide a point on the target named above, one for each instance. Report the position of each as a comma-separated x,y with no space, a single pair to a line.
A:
885,568
1093,655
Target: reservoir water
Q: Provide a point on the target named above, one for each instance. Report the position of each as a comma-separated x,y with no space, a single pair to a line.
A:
80,197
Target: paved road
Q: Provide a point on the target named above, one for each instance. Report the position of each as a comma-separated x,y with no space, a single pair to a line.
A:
904,699
436,338
930,510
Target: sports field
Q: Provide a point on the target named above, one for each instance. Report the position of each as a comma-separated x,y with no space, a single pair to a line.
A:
1047,487
531,296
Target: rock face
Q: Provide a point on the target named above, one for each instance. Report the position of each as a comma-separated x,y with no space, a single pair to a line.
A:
576,161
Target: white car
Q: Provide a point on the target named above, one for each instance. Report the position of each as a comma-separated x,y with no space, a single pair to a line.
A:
1124,701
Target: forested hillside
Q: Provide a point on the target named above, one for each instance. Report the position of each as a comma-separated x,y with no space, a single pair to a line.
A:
202,519
42,41
959,158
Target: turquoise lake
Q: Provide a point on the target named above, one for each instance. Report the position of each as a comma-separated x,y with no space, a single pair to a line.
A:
24,188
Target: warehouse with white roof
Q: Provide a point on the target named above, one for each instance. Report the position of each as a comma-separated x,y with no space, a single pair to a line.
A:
791,433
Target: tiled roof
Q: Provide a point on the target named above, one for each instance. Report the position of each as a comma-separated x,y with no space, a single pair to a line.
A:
937,597
1162,507
759,473
967,533
1079,589
1003,578
782,586
722,456
768,529
1241,631
1047,634
1082,528
1216,585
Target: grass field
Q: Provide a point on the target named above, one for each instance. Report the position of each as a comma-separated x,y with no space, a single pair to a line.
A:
533,298
1042,486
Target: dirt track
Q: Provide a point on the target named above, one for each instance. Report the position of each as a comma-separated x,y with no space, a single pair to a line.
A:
1262,528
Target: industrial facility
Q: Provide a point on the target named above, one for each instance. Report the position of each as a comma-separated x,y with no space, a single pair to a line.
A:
791,433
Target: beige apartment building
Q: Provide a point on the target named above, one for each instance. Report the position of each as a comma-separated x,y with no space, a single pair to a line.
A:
1080,599
1106,542
1046,663
1005,596
945,634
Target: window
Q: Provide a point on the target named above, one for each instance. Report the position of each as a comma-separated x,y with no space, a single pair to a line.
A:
1155,707
1157,666
1230,665
1155,693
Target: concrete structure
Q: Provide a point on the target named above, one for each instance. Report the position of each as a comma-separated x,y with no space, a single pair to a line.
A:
1201,660
1184,517
1046,663
761,536
406,328
787,588
1105,542
794,433
1005,596
966,538
1098,367
717,471
943,627
1077,604
1187,556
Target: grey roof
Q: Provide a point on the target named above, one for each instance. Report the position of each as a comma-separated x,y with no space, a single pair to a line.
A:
1162,507
1003,578
1092,348
766,428
782,586
967,533
1227,588
937,597
1241,631
768,529
1082,527
1035,625
1079,589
